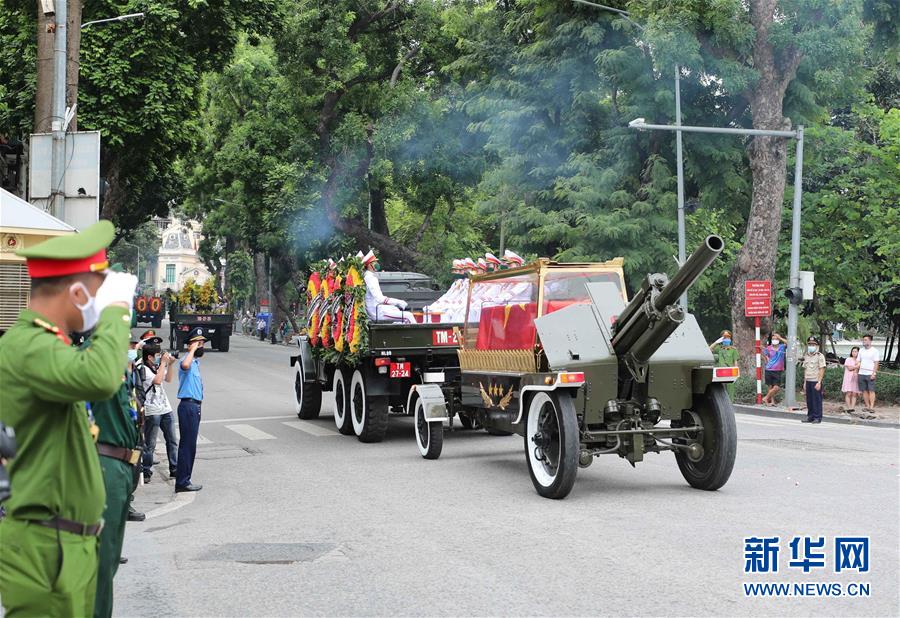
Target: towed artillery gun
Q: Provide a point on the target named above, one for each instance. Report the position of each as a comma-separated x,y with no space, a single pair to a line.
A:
567,365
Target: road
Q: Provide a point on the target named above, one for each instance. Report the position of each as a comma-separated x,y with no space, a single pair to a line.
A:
295,519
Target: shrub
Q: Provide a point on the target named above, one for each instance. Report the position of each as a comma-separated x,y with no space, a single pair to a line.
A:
887,387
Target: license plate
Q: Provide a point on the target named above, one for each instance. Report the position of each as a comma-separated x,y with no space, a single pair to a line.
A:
445,336
401,370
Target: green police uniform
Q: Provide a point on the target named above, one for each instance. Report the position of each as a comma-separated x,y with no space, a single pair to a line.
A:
727,356
46,569
116,442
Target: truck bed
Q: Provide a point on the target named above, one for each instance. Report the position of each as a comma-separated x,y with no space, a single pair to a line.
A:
397,338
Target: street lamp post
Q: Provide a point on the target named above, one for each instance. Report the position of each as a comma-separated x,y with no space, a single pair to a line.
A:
790,370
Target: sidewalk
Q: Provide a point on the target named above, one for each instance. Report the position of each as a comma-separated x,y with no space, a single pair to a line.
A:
886,416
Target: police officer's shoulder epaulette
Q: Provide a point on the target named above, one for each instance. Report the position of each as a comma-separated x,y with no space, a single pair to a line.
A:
52,329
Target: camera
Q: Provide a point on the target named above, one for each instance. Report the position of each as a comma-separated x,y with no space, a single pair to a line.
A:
174,353
7,451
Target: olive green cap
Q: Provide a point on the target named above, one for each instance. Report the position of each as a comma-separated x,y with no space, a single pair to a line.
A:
69,255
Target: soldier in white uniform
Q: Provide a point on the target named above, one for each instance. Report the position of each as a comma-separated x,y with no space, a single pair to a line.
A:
382,308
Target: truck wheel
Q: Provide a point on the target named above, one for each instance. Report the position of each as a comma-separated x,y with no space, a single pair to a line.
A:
713,468
225,343
369,414
429,436
469,421
551,443
342,403
308,396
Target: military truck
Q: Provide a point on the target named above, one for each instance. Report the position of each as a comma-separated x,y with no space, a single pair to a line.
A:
149,309
566,364
398,360
216,326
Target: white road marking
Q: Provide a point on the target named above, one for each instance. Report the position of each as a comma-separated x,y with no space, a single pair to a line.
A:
250,432
249,418
203,440
312,428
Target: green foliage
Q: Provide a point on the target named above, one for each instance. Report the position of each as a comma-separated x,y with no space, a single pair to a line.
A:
139,247
240,276
887,389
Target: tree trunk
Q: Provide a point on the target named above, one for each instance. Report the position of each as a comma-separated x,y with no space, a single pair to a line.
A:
261,276
114,197
376,199
43,94
73,55
768,156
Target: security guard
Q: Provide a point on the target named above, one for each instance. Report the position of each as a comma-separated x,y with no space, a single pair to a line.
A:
48,541
117,419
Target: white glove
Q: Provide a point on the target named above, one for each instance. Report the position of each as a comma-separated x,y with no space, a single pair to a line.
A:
400,304
116,288
719,340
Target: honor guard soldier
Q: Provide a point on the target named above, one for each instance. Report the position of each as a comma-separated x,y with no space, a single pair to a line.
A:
49,538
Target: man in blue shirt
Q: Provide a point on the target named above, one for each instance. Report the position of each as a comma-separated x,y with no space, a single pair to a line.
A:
190,395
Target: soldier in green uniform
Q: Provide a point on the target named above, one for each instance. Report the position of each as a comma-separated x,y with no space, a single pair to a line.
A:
48,540
117,444
726,356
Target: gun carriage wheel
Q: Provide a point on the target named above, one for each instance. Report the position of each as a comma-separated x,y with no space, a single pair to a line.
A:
429,436
551,443
342,402
710,466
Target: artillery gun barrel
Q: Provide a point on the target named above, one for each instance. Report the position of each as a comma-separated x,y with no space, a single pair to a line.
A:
690,271
653,314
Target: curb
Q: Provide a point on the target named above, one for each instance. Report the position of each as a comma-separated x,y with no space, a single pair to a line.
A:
775,413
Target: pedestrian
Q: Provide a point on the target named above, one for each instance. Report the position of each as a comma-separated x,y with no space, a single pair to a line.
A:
774,353
813,373
868,369
726,356
190,395
117,419
49,538
850,385
157,368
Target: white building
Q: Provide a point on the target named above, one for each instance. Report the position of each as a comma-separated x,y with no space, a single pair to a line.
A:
178,260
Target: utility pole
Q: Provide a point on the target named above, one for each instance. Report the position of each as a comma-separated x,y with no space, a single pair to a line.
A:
57,125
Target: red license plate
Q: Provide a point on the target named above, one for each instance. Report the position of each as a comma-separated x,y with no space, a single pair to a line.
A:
445,336
401,370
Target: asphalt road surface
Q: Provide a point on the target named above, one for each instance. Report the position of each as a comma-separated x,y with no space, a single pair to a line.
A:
295,519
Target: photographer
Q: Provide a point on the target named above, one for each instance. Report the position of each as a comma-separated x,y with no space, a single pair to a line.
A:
157,368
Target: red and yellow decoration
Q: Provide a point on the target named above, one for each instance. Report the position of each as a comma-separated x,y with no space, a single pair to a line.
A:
336,310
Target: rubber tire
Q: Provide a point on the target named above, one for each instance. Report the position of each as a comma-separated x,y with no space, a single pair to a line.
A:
429,436
341,403
369,415
469,421
560,484
719,441
224,343
307,396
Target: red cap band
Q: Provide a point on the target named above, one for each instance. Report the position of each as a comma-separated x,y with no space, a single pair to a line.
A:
39,268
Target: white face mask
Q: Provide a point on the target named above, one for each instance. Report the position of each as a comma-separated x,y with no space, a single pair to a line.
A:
90,315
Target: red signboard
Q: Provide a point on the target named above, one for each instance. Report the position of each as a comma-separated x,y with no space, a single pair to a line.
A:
757,299
444,337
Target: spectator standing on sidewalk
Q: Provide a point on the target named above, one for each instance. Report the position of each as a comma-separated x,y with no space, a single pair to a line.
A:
726,356
813,372
850,385
190,394
774,353
868,369
157,409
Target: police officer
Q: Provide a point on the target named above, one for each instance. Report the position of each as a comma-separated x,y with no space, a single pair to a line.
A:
48,541
117,443
190,394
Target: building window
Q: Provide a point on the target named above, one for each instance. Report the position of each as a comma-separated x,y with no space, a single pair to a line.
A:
170,273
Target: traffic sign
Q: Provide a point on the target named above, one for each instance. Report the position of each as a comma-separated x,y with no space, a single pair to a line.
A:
757,299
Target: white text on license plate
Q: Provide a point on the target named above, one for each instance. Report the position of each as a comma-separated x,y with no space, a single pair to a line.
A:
401,370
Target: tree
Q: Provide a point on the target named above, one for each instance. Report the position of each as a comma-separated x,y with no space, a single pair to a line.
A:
772,60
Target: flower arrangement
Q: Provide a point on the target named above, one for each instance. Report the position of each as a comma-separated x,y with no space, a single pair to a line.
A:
336,310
